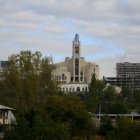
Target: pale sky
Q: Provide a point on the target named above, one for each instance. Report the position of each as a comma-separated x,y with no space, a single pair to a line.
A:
109,30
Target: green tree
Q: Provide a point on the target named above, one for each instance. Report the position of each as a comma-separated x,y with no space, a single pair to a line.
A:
109,94
60,117
106,126
125,130
41,112
93,99
127,93
27,79
36,125
108,98
70,110
136,96
129,97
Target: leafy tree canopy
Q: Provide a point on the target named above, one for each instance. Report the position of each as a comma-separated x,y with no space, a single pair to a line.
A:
27,79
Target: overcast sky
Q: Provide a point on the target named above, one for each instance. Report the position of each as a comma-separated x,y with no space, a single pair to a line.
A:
109,30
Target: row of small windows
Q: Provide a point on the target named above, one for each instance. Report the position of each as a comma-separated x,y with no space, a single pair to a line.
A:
129,75
72,89
60,77
129,70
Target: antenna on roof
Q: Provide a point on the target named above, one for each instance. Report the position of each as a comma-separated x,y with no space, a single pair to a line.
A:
123,57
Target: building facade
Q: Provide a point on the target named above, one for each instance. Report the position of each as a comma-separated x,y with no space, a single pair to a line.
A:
128,74
3,65
75,73
127,70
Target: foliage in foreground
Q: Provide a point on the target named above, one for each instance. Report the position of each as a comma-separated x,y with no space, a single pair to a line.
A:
44,113
61,117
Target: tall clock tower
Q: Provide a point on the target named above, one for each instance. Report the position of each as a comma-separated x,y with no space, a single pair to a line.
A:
76,60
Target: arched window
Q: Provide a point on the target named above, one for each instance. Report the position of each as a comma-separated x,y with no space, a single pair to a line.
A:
78,88
63,77
66,89
59,77
86,89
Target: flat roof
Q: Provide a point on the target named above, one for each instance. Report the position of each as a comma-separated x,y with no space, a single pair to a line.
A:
2,107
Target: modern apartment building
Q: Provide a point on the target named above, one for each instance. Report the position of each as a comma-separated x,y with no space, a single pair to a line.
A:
127,74
75,73
127,70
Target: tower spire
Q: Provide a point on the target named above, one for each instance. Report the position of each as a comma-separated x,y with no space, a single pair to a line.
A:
76,37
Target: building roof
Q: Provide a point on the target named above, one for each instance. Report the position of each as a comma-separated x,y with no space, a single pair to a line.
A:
5,108
4,64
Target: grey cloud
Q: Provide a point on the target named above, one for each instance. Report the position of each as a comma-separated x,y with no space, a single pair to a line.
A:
116,22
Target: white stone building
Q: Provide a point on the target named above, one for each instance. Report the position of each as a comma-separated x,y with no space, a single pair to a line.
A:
75,73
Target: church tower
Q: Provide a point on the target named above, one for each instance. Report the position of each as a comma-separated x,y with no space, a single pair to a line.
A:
76,60
74,74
